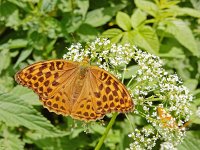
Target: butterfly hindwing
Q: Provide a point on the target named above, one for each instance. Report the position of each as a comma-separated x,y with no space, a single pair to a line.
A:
110,94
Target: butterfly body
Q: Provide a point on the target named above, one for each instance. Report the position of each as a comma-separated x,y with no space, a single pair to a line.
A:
77,89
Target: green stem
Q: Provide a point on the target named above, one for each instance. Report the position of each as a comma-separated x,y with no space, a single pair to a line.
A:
112,121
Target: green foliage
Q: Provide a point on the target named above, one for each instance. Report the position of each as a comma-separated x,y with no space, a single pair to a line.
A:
31,31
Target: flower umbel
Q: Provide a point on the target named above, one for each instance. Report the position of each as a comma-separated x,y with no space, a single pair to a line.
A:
159,97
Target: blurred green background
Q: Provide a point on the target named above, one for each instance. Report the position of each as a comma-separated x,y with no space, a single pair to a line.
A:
34,30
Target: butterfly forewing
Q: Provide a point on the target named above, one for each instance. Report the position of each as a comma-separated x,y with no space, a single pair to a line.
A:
46,78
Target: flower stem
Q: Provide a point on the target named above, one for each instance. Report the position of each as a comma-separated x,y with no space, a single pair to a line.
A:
112,121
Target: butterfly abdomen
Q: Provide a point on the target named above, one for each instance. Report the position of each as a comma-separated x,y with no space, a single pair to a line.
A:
79,83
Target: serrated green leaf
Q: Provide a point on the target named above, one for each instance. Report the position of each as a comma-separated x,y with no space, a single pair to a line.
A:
15,112
123,21
147,6
184,35
25,94
137,18
146,38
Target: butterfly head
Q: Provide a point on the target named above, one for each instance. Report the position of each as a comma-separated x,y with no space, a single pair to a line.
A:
85,61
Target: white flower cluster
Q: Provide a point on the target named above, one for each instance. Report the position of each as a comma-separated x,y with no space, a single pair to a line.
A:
167,146
143,139
76,53
152,88
103,53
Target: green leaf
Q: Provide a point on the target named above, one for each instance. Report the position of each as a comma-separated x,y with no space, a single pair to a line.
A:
37,40
191,141
137,18
191,84
63,143
5,59
196,4
14,44
87,32
21,4
24,54
101,16
17,43
174,52
123,21
146,38
110,33
13,20
52,27
185,11
11,141
6,83
48,5
184,35
127,37
15,112
130,71
171,48
147,6
25,94
6,10
83,7
194,107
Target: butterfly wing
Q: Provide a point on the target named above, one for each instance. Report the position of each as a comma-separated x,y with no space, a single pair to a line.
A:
46,78
52,81
83,105
101,93
110,94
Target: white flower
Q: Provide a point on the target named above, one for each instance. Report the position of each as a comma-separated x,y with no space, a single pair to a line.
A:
167,146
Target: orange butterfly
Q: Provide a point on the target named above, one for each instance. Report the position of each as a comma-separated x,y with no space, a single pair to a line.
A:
166,119
77,89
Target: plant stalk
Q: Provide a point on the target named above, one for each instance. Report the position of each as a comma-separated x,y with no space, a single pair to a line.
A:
112,121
